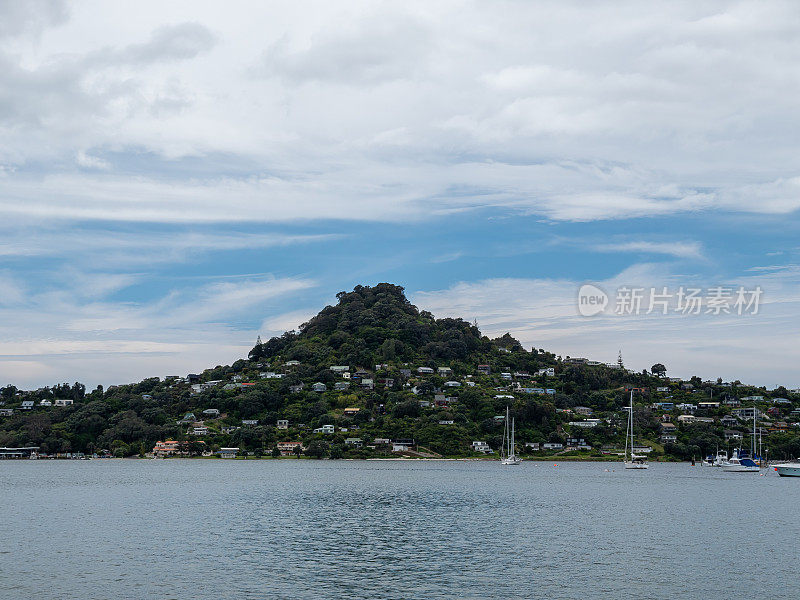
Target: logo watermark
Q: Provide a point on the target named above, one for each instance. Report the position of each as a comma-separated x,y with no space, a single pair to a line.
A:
683,300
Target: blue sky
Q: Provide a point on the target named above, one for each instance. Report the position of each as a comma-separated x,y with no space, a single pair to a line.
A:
176,180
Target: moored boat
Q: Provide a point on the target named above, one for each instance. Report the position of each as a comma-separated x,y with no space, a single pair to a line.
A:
788,469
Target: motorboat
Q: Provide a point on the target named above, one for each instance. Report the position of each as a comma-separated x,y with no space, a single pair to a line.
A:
788,469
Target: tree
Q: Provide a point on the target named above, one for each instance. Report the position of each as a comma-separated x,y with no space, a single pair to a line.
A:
317,449
275,452
658,370
297,450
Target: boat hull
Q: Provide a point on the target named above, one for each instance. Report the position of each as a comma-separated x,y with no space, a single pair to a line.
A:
740,469
788,471
636,466
510,461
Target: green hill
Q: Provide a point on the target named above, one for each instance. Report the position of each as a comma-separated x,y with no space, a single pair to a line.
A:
400,375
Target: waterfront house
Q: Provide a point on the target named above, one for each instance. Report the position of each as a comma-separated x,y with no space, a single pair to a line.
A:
228,452
482,447
402,445
167,448
552,446
532,446
288,448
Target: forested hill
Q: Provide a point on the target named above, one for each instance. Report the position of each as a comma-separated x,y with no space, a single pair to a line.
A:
374,370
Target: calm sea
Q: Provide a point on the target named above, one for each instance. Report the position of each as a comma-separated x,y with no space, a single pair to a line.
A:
188,529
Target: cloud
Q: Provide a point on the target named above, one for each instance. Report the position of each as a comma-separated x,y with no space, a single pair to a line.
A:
676,249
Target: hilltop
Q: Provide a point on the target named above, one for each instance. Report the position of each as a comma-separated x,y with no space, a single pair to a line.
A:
375,376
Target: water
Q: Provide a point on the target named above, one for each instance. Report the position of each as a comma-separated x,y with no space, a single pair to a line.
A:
341,529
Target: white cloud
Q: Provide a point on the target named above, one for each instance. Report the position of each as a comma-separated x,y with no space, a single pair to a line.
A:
681,249
400,112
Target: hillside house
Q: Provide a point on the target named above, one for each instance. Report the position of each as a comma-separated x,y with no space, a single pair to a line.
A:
482,447
283,424
319,387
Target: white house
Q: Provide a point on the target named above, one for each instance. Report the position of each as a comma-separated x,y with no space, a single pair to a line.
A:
45,403
548,372
228,452
425,371
552,446
211,413
482,447
63,402
249,421
27,405
452,384
319,387
325,429
283,424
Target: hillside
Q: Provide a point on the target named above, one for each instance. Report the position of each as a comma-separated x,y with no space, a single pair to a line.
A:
372,373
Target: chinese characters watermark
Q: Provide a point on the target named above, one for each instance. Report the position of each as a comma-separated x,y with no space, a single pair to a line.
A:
683,300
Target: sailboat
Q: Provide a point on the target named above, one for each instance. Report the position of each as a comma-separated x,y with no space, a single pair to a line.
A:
508,455
636,461
739,462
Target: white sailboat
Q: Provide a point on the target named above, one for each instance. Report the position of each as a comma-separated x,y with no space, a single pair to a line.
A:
635,461
743,464
508,454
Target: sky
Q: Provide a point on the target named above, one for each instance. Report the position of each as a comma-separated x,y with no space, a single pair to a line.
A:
179,178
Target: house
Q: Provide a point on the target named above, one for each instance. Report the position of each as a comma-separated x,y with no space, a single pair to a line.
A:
504,396
522,375
27,405
198,429
687,419
382,366
444,371
576,361
405,373
425,371
482,447
63,402
340,368
187,418
211,413
446,422
237,377
532,446
386,381
552,446
288,448
547,372
746,413
294,389
283,423
319,387
586,423
45,403
227,430
367,384
668,438
779,426
579,443
668,427
732,402
192,378
499,419
340,386
351,411
687,386
452,384
583,410
326,429
381,441
782,401
167,448
687,408
6,412
228,452
402,445
731,434
147,397
424,404
355,442
484,369
662,389
531,390
505,376
753,399
250,422
707,405
291,363
729,421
